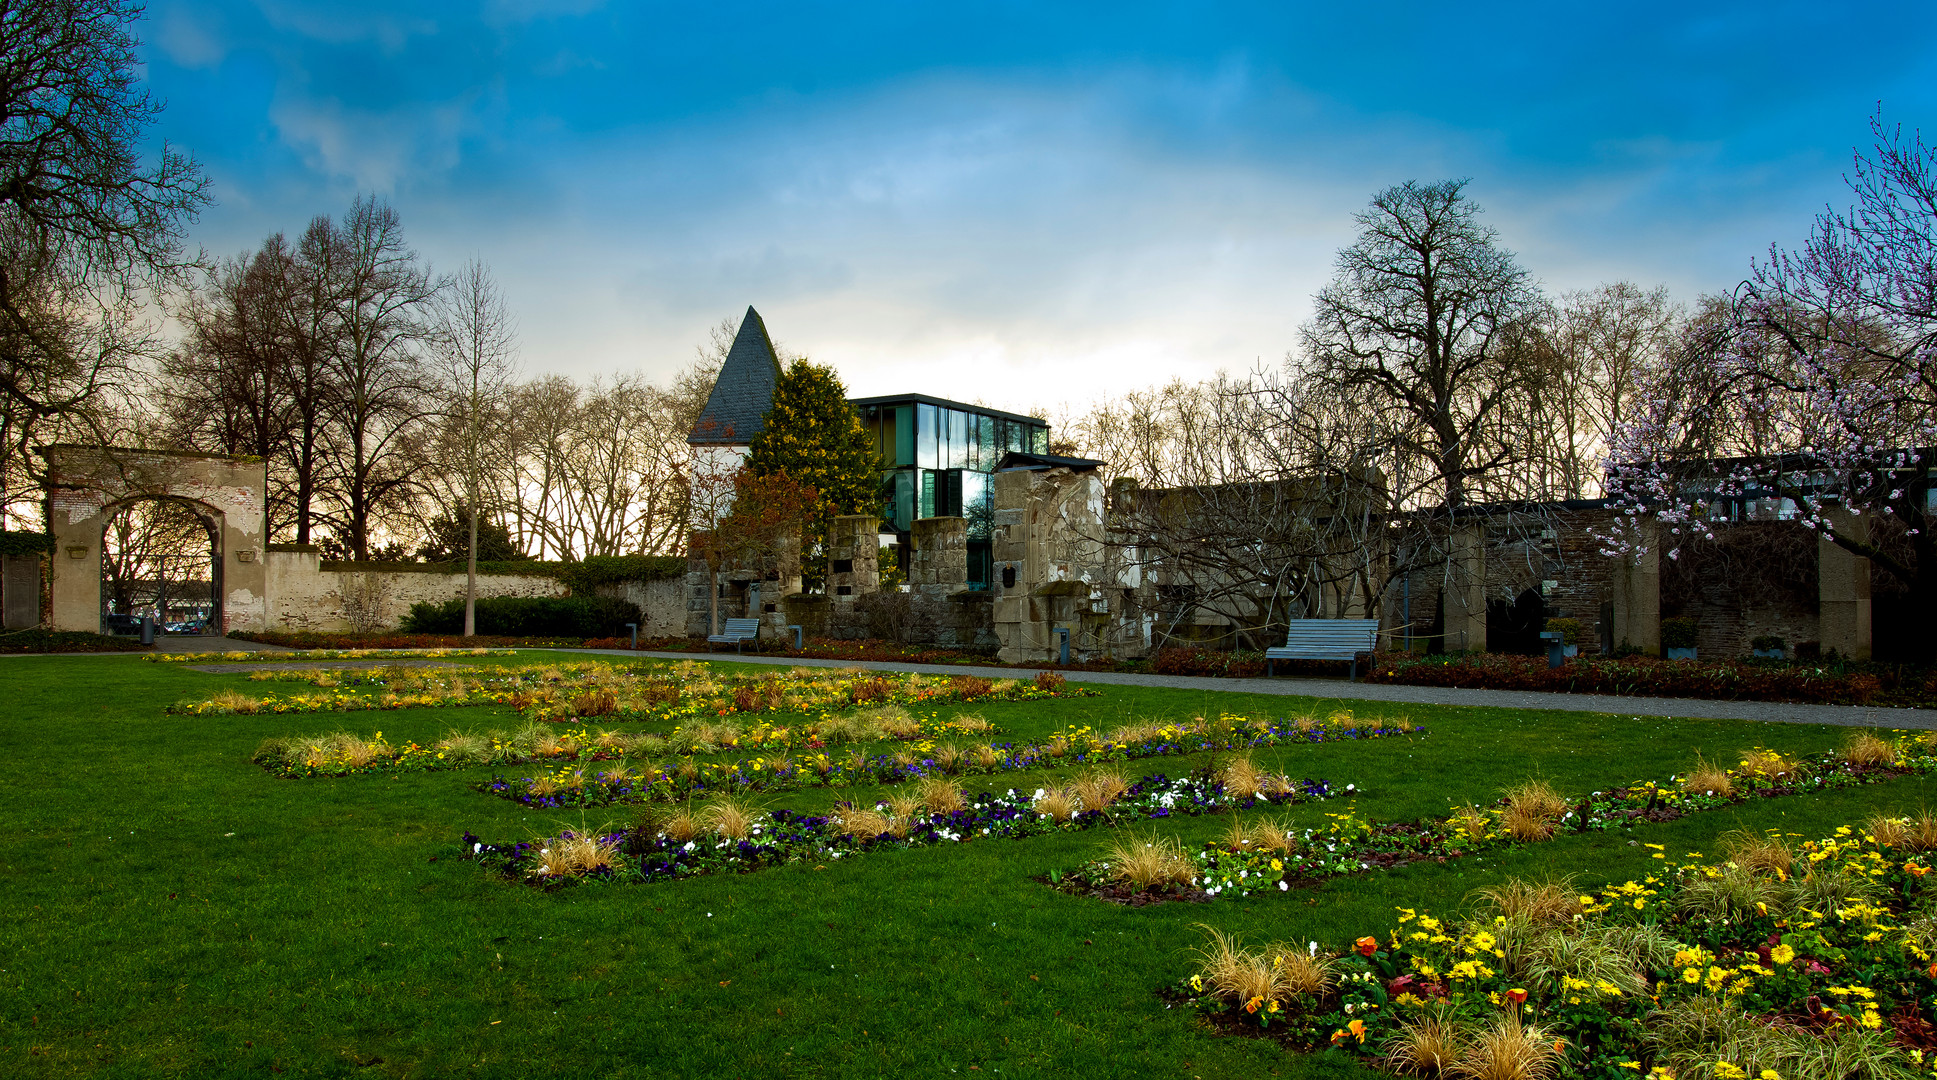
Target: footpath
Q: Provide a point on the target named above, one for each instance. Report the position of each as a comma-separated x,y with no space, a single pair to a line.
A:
1342,691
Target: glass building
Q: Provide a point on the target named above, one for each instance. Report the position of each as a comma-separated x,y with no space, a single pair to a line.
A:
938,458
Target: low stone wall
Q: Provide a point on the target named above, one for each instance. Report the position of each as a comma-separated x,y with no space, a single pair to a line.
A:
304,596
951,620
662,603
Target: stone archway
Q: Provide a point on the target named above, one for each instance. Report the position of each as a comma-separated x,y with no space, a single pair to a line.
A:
87,484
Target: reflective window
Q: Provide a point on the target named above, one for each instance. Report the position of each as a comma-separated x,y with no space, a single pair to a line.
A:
925,433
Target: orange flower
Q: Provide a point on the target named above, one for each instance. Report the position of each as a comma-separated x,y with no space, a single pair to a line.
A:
1367,945
1915,870
1357,1028
1517,996
1252,1005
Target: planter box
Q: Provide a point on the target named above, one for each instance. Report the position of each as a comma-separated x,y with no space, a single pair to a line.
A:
1681,654
1768,654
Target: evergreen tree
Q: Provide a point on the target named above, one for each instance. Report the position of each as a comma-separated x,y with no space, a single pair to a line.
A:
815,438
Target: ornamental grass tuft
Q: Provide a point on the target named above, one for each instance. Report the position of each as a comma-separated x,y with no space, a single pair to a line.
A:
1770,766
1305,972
600,702
1241,777
1058,805
1429,1044
679,825
1150,861
1533,811
863,822
1767,854
941,795
1236,975
730,818
1865,749
1510,1050
1098,788
1539,902
1707,778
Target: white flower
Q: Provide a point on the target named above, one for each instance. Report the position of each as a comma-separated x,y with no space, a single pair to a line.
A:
1282,887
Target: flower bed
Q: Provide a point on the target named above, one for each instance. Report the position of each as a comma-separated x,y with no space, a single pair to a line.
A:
324,654
345,754
571,787
1245,863
643,693
313,639
1637,676
1782,961
726,837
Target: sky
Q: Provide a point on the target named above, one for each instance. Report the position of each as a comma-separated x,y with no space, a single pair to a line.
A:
1026,204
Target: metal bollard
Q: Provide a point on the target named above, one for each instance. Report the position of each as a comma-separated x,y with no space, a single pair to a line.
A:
1062,632
1556,654
799,636
147,629
634,627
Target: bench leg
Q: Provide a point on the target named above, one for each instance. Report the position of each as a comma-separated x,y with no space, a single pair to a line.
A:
1268,664
1354,676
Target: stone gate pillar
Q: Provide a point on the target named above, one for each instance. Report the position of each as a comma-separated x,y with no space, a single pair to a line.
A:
1843,589
1637,595
1463,598
939,565
853,557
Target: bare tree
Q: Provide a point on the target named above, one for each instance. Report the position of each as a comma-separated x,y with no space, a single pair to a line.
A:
383,303
478,346
1423,313
85,225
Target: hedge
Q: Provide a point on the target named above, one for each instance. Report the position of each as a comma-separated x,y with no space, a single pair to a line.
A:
26,543
527,616
582,577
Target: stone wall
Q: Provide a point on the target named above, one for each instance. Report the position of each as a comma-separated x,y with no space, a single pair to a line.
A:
1055,573
304,596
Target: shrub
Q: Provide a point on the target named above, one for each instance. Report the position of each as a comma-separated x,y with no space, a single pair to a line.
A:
1569,630
1766,642
1050,681
527,616
1189,660
1681,632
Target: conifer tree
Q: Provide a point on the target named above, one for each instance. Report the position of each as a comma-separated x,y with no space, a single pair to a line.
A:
814,437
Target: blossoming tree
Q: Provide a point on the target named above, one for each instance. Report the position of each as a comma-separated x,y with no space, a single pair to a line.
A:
1813,394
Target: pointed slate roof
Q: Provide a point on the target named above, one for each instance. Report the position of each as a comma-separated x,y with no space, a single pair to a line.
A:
744,390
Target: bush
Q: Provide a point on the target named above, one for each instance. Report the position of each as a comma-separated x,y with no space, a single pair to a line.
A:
527,616
1189,660
1723,680
1680,633
1767,642
1568,629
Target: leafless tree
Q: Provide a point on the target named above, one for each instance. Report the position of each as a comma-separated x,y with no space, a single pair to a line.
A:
477,345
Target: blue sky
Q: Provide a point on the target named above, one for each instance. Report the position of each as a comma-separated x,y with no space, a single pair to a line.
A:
1023,203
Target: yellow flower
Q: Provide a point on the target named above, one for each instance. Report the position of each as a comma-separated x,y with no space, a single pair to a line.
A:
1782,954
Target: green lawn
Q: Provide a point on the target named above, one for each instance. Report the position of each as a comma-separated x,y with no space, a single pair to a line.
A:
174,910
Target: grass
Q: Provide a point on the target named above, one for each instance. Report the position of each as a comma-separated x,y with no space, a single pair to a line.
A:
174,910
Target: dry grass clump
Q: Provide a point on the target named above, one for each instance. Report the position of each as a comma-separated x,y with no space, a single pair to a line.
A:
1230,972
941,795
1260,834
1098,788
1509,1050
866,822
1533,811
1428,1045
1768,765
1151,861
1865,749
233,701
1536,902
1759,854
1058,805
988,757
1241,778
891,721
1303,971
949,757
574,855
463,746
1707,778
542,786
972,724
600,702
730,819
1909,833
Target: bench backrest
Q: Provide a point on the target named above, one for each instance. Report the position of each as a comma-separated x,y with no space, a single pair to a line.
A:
742,626
1323,632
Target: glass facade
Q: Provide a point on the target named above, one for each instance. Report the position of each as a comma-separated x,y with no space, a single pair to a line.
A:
937,460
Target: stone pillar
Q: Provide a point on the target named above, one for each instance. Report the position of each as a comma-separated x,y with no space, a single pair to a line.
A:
939,564
20,591
1463,596
1843,589
853,557
1637,596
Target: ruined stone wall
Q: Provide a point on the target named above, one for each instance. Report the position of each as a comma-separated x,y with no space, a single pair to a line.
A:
1054,571
304,596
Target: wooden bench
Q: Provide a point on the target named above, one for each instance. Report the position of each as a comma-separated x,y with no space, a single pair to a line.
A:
738,633
1326,639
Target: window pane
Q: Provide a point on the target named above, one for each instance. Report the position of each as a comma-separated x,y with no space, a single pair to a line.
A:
1039,440
904,440
957,439
985,445
925,436
927,493
903,510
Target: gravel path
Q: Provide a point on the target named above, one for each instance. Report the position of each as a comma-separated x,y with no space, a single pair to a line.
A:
1334,689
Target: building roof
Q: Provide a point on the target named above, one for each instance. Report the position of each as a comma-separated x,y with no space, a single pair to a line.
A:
1022,459
924,399
743,392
